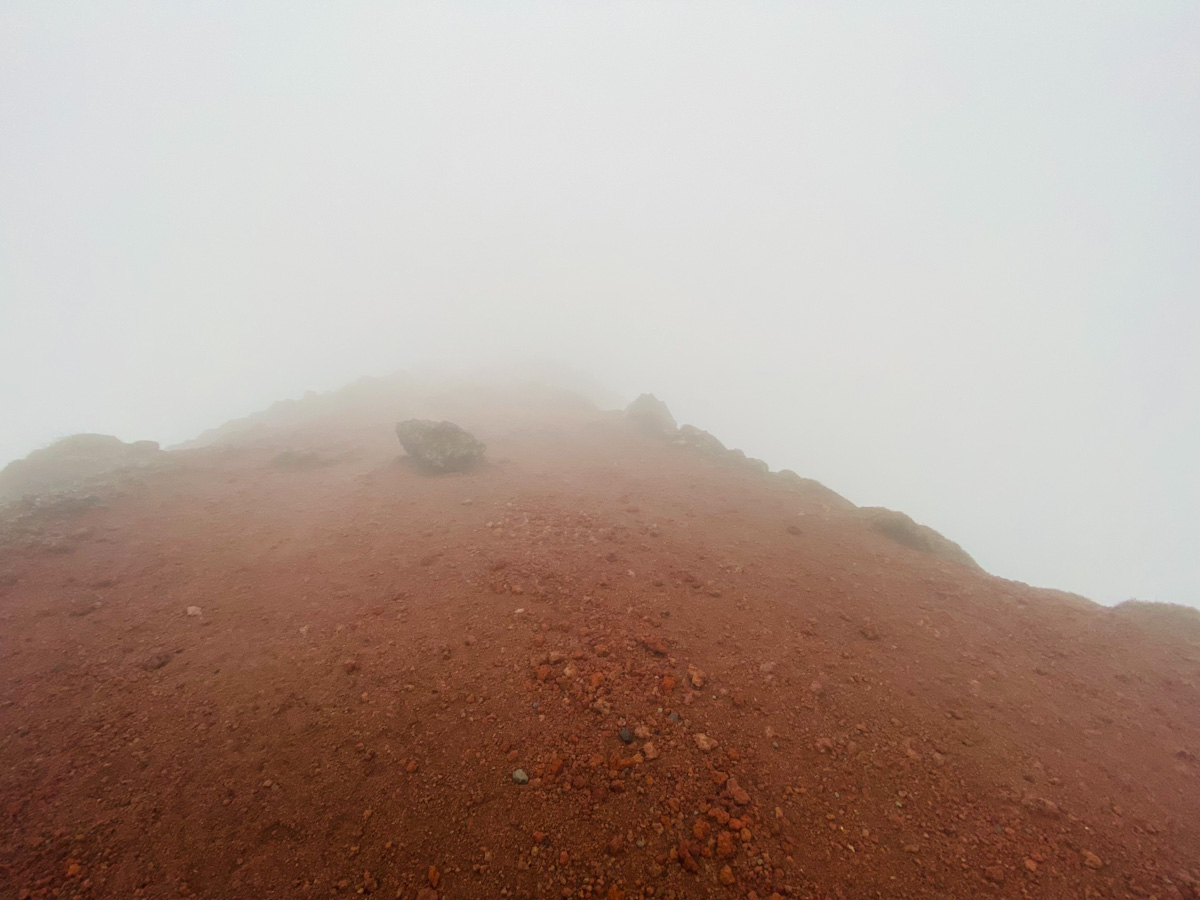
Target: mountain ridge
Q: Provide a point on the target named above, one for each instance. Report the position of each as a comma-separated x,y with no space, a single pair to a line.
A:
717,682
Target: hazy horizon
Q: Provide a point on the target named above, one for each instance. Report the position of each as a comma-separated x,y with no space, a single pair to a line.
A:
941,259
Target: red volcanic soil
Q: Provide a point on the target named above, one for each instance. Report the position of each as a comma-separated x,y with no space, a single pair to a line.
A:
813,710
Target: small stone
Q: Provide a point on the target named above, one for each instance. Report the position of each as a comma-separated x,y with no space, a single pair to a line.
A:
194,611
625,736
696,676
616,845
675,717
737,792
1091,860
350,665
649,750
520,777
654,645
704,742
686,858
726,849
994,874
726,875
434,877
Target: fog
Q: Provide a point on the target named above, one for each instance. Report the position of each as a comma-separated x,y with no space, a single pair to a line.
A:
941,257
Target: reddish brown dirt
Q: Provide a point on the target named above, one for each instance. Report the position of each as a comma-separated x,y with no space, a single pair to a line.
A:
379,650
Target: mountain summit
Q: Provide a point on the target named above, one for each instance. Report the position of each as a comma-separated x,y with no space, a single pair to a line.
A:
610,659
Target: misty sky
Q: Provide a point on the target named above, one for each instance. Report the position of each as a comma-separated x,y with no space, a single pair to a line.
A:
942,257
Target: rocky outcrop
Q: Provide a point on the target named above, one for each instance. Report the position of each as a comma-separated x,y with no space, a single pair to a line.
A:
71,461
439,446
739,458
903,530
650,416
706,444
701,441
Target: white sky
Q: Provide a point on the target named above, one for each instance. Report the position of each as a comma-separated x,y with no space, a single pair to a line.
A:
944,257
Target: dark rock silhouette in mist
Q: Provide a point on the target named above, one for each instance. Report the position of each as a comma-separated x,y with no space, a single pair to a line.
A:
650,416
439,446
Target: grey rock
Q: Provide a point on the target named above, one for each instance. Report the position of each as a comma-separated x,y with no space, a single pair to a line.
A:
625,736
520,777
439,446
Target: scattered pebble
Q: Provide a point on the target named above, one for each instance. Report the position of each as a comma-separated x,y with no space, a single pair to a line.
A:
520,777
194,611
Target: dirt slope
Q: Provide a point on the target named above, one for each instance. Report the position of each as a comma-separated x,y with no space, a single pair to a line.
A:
813,709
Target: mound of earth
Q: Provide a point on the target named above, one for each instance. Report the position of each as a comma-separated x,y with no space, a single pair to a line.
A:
70,461
601,666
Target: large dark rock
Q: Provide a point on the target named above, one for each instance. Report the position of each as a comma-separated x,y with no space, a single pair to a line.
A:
439,446
650,416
